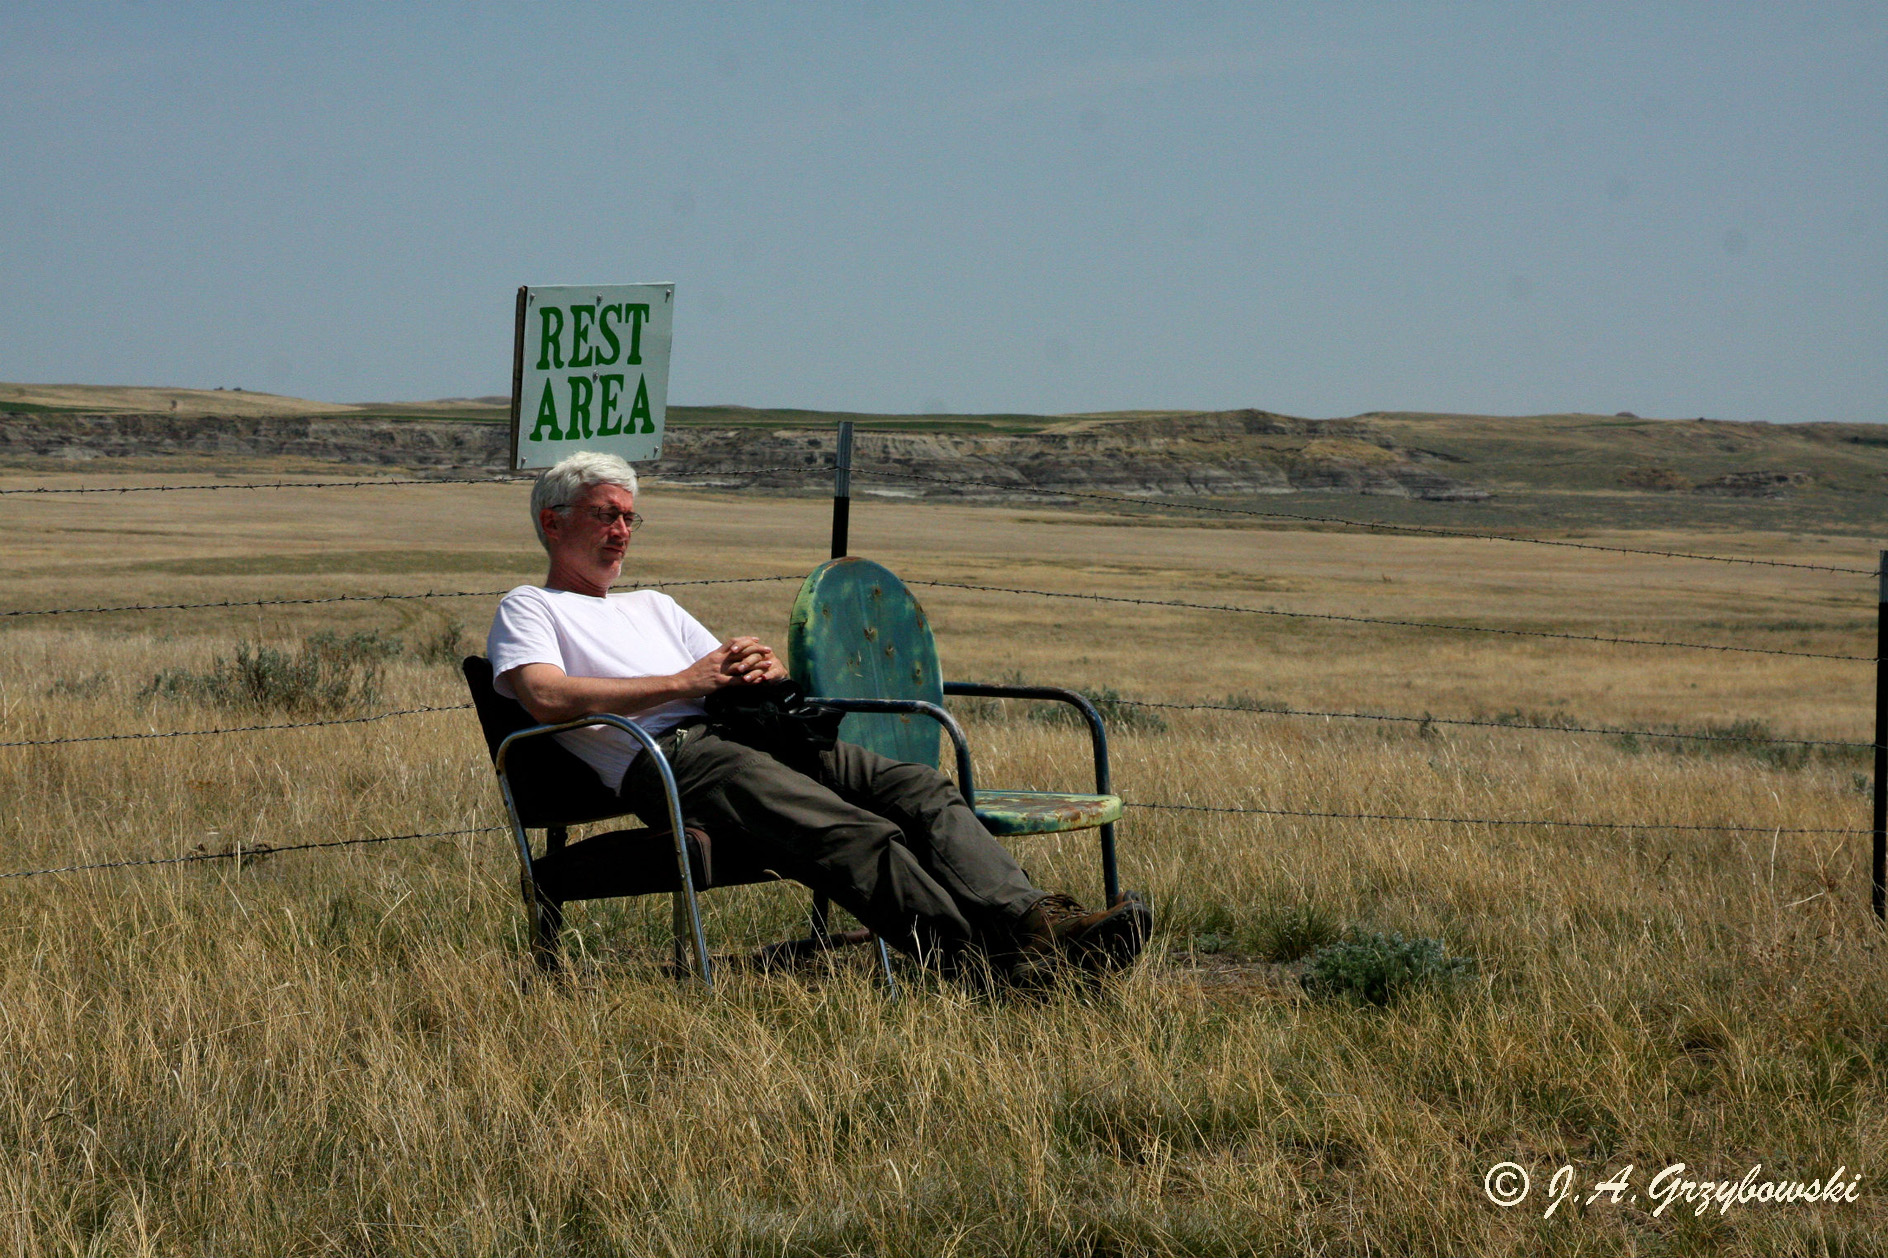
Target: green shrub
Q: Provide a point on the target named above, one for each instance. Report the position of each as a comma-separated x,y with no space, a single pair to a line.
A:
1755,739
1291,932
1254,703
370,646
1375,969
972,708
1210,942
81,687
445,645
1749,737
1529,717
1118,712
328,673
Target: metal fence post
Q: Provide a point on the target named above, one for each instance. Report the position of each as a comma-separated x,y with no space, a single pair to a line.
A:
1879,889
842,519
842,489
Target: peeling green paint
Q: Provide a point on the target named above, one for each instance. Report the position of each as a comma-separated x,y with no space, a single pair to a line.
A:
848,606
1044,812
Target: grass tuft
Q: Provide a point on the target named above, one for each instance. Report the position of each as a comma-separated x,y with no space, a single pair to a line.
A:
447,644
1294,931
1375,969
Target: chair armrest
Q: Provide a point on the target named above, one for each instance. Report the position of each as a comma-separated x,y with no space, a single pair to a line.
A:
595,718
965,783
622,723
1097,733
684,872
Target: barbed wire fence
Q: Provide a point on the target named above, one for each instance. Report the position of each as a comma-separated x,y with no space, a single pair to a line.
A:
1424,721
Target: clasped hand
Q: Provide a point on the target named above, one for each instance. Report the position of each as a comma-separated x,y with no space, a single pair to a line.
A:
737,661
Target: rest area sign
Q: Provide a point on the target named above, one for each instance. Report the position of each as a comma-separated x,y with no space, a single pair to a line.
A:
590,371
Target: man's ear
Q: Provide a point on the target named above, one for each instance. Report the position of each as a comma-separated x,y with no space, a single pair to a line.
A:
550,522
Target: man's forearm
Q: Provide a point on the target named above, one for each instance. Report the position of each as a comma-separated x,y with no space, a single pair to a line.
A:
558,697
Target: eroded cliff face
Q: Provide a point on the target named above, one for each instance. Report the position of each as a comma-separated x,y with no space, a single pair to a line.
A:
421,446
1228,453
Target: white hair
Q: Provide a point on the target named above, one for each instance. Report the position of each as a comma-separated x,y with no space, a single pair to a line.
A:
563,484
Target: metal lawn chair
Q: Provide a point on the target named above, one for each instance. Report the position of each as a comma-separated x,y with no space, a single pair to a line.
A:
859,640
546,787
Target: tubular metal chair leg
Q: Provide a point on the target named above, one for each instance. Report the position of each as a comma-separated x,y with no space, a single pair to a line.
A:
546,918
546,925
821,935
691,943
1110,873
885,967
691,955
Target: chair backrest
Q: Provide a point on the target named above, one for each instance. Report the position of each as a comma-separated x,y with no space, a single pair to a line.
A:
550,785
857,633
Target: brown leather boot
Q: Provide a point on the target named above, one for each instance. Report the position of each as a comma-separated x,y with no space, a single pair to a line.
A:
1058,932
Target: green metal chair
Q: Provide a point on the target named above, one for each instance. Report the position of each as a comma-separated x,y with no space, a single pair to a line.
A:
548,788
859,641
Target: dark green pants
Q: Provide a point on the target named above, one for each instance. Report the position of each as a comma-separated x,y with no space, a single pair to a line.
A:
891,842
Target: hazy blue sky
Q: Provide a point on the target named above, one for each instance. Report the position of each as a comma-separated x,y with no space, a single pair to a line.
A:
1321,208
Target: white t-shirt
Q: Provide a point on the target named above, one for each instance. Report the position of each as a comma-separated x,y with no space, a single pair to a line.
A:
637,634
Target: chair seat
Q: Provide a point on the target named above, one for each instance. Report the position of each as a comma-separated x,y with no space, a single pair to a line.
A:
642,862
1044,812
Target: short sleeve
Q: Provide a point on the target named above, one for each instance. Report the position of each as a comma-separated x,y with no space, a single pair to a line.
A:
693,635
522,633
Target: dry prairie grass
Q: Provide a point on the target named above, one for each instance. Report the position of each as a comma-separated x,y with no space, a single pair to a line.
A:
328,1053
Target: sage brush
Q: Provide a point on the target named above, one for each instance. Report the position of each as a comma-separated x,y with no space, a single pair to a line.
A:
328,673
1375,969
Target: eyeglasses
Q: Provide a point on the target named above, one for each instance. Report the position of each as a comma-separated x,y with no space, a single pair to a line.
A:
606,516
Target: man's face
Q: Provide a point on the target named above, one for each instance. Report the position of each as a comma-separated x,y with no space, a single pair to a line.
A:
581,542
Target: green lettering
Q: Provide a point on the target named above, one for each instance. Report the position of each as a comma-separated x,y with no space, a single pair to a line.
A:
609,334
638,314
580,349
547,417
581,391
612,399
640,408
550,352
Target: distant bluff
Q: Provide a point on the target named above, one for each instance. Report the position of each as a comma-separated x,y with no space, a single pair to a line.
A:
1213,454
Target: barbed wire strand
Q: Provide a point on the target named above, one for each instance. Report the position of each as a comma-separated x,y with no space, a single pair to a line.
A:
1381,526
233,729
804,469
1502,821
354,598
280,484
265,849
1492,723
889,474
987,589
376,483
1405,624
1240,709
257,851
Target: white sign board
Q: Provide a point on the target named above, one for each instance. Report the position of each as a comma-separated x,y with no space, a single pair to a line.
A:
590,371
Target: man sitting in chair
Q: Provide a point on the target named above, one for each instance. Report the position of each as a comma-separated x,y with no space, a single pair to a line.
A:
893,843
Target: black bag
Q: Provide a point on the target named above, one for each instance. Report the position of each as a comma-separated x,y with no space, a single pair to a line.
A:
775,717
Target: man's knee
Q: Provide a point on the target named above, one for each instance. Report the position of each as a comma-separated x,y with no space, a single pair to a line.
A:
919,787
866,774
